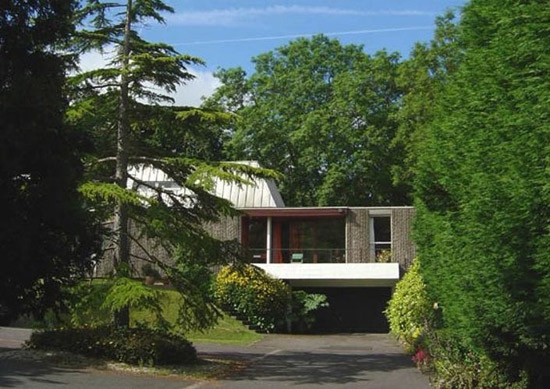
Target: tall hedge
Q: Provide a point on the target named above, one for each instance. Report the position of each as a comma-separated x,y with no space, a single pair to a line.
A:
483,188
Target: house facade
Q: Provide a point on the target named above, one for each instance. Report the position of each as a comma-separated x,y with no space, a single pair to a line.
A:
326,241
354,255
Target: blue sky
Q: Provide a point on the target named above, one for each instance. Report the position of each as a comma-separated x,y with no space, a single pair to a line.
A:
228,33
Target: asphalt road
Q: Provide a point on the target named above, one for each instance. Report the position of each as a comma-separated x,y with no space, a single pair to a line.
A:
278,361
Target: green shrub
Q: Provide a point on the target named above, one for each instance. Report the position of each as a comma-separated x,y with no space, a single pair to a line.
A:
250,292
417,322
410,308
303,308
200,276
454,366
141,346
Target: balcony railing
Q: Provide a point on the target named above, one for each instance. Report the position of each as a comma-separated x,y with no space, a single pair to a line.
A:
331,255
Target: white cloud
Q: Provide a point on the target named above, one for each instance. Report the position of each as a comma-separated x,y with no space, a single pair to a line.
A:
94,60
189,94
237,16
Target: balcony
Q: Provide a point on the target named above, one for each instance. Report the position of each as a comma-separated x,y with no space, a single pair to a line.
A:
334,274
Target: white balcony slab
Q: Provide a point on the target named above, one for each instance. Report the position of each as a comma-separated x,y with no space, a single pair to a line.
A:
334,274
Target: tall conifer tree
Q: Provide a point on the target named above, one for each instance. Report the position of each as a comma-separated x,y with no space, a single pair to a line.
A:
121,105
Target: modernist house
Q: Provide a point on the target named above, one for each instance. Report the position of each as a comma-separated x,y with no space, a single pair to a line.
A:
354,255
331,250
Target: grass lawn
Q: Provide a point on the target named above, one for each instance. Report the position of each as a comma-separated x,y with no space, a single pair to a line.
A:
227,331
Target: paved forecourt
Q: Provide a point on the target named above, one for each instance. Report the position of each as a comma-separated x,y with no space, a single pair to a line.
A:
304,361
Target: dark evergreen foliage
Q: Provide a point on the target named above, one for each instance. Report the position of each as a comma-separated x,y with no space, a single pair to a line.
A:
482,188
46,236
421,77
121,107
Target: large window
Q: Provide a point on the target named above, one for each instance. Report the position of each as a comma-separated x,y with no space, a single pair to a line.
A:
293,239
314,240
380,235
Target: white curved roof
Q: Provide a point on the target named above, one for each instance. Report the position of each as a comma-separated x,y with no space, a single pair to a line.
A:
262,194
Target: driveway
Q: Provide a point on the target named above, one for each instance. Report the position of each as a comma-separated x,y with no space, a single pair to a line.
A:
330,361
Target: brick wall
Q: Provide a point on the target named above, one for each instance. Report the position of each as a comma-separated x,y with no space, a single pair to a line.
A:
357,235
228,228
403,249
105,265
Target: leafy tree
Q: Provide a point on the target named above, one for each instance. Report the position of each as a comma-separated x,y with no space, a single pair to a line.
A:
421,78
323,115
47,238
121,106
482,186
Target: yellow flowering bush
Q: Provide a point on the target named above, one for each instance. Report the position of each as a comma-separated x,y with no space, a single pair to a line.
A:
409,308
250,292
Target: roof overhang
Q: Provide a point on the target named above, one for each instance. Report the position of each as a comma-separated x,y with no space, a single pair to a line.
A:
295,212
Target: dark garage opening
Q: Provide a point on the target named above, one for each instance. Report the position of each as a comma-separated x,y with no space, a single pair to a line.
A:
352,310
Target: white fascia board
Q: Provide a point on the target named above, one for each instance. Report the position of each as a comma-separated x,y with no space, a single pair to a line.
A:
334,274
342,283
332,271
380,212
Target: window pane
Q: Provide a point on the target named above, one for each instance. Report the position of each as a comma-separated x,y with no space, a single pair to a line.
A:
382,229
330,240
318,240
257,233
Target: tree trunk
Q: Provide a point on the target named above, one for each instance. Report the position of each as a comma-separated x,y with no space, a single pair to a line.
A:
122,256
